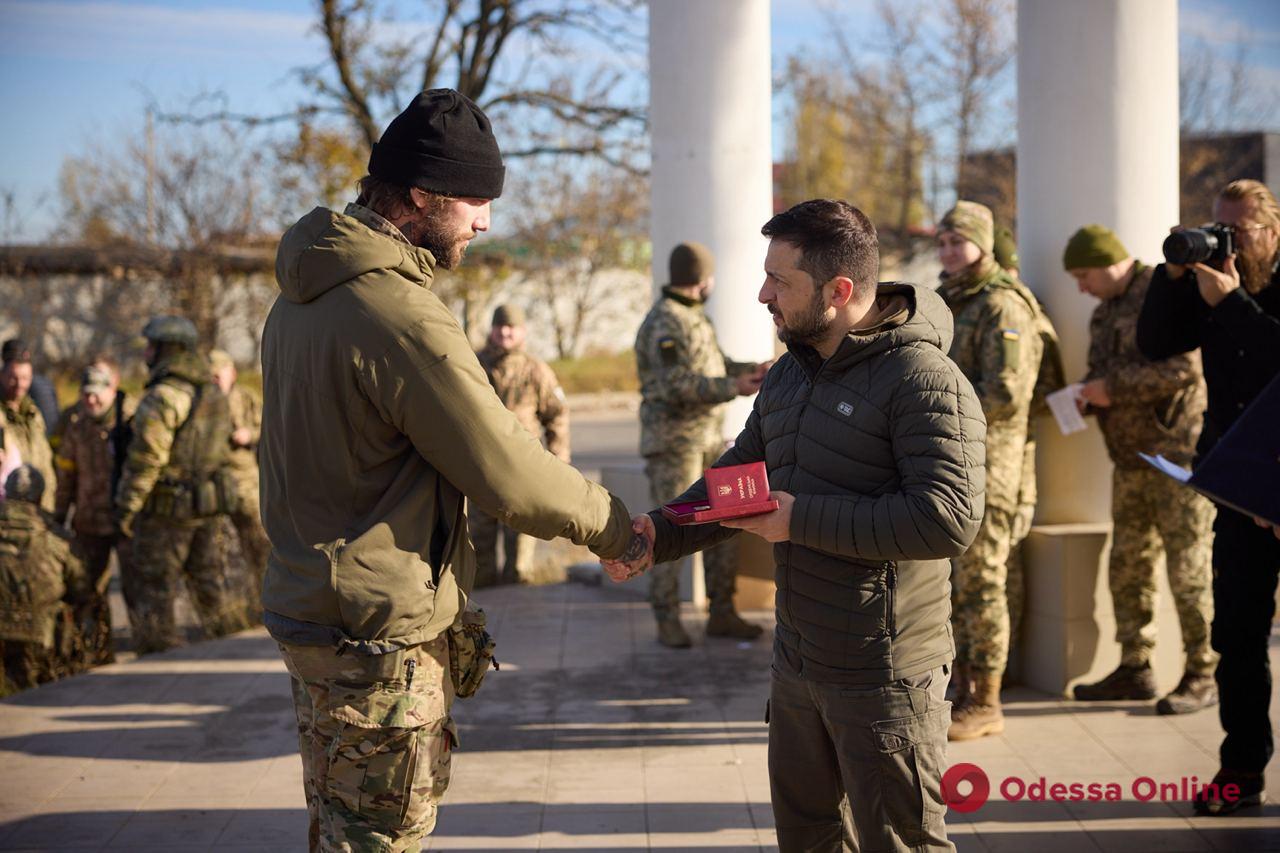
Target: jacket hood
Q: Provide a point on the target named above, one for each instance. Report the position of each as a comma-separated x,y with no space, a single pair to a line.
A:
325,249
905,314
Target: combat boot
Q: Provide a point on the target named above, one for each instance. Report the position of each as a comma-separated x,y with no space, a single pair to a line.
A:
672,634
979,714
1193,693
1127,682
726,623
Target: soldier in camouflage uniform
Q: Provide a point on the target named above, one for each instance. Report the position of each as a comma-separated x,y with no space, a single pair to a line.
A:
1146,406
22,427
246,427
684,379
998,346
85,460
528,387
175,493
42,583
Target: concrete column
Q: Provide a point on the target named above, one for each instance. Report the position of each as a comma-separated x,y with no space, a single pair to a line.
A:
1097,142
712,180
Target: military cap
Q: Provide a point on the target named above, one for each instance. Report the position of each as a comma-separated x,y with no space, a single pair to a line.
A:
95,380
1093,246
170,329
220,359
508,315
1005,249
690,263
973,222
24,483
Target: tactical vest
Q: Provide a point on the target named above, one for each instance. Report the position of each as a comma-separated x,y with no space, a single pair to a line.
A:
198,482
31,583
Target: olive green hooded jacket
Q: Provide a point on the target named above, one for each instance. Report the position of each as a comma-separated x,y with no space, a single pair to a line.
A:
377,421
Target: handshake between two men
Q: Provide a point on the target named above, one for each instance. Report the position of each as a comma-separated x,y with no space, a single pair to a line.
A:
772,526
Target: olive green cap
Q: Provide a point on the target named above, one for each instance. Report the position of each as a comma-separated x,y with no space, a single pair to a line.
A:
1005,248
508,315
171,329
1093,246
690,263
973,222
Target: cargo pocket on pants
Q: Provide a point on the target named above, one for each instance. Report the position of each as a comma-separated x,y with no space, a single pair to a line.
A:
390,755
911,757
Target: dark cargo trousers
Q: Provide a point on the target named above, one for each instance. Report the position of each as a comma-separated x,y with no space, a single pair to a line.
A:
858,768
1246,564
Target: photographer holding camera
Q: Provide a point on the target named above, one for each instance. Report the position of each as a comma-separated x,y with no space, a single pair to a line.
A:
1229,307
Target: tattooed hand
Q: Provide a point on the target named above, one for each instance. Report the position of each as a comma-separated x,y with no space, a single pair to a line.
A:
639,554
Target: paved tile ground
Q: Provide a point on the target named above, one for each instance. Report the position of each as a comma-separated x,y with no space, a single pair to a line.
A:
592,737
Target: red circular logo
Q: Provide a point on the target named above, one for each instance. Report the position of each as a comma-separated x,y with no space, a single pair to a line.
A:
979,788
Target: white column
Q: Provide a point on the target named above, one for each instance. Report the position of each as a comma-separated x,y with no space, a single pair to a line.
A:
1097,142
712,179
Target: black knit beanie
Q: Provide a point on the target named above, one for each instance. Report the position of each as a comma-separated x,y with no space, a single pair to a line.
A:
443,143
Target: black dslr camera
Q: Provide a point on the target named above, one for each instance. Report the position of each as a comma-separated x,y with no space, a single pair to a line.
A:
1207,244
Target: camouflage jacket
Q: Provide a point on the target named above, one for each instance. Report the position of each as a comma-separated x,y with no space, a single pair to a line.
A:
84,459
38,570
246,413
1156,406
998,347
529,388
24,429
684,377
154,457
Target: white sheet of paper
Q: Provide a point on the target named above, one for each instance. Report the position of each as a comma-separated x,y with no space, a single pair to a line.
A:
1164,466
1063,405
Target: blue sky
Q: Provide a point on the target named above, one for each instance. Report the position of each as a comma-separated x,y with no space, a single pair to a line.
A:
76,73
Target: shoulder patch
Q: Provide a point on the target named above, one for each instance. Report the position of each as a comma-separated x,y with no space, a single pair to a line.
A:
668,351
1010,334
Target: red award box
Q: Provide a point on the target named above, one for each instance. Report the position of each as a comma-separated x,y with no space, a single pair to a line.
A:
736,491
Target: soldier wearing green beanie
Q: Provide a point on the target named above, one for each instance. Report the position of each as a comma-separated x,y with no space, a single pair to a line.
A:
1149,407
998,344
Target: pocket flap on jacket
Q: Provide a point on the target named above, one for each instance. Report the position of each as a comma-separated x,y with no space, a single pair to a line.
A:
383,709
897,735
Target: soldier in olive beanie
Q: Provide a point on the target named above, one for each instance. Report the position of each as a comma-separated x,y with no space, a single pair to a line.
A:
1093,246
973,222
508,315
690,263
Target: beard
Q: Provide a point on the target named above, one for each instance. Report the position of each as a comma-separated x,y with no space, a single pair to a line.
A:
432,232
807,329
1255,272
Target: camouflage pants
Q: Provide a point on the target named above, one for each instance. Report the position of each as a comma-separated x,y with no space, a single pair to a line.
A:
669,475
980,604
202,552
254,546
1153,516
1016,581
517,550
93,645
376,741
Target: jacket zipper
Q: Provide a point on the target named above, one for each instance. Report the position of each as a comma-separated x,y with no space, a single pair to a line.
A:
808,394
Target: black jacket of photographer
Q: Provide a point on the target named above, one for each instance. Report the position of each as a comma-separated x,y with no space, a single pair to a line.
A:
882,445
1239,341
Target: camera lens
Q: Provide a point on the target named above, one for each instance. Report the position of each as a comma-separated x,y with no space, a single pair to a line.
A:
1191,246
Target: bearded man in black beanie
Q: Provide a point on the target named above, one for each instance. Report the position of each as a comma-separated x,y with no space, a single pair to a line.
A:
377,422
